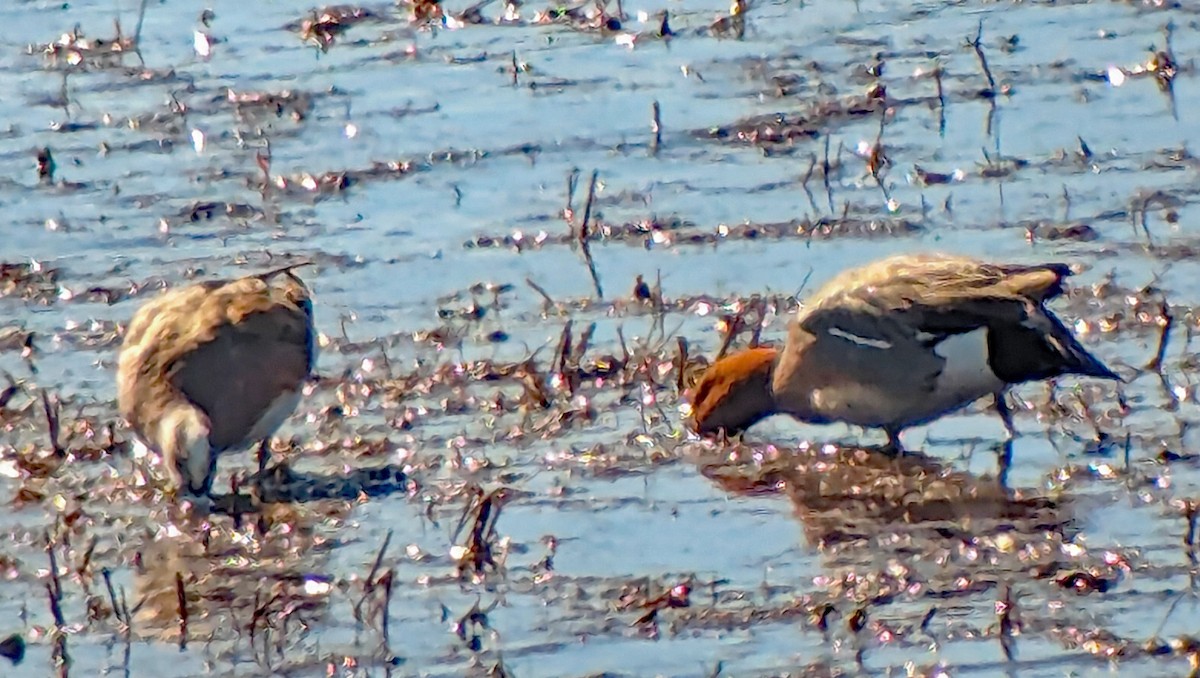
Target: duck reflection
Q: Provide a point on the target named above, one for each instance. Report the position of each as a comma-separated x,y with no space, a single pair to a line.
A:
845,493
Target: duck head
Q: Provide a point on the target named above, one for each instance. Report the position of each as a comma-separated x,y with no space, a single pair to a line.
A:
734,393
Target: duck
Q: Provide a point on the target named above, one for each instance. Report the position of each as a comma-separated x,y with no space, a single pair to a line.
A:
899,343
214,367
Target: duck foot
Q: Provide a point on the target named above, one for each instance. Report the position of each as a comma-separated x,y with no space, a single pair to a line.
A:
1003,463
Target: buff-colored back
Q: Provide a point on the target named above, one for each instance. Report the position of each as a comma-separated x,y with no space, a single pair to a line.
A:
228,347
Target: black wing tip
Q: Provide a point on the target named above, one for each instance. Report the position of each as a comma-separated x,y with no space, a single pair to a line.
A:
1061,270
1092,367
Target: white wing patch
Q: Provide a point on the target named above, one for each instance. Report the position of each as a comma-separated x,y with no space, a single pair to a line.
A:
861,341
966,374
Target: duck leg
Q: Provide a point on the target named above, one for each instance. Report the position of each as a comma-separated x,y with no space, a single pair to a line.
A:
264,454
893,443
1004,451
1005,416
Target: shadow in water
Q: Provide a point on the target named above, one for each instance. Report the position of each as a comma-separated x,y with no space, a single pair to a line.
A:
281,484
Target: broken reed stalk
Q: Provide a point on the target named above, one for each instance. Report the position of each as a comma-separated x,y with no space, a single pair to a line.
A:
51,410
581,346
387,580
564,348
1006,607
878,157
369,583
54,593
85,566
9,391
572,184
624,346
812,166
515,68
989,93
1156,363
1140,218
1191,510
938,72
825,175
584,236
927,619
112,596
736,323
181,595
655,127
977,44
681,363
387,540
54,580
137,29
547,300
760,308
61,659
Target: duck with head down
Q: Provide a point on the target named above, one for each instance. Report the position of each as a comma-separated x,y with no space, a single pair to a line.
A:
213,367
899,343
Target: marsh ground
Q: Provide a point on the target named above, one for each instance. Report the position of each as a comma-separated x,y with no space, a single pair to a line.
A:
422,157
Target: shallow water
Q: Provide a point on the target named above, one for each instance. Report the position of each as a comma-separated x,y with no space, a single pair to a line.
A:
487,160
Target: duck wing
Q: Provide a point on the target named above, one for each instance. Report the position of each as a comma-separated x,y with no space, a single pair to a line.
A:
914,306
253,346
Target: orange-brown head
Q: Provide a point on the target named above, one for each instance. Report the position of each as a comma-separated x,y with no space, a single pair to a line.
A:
734,393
